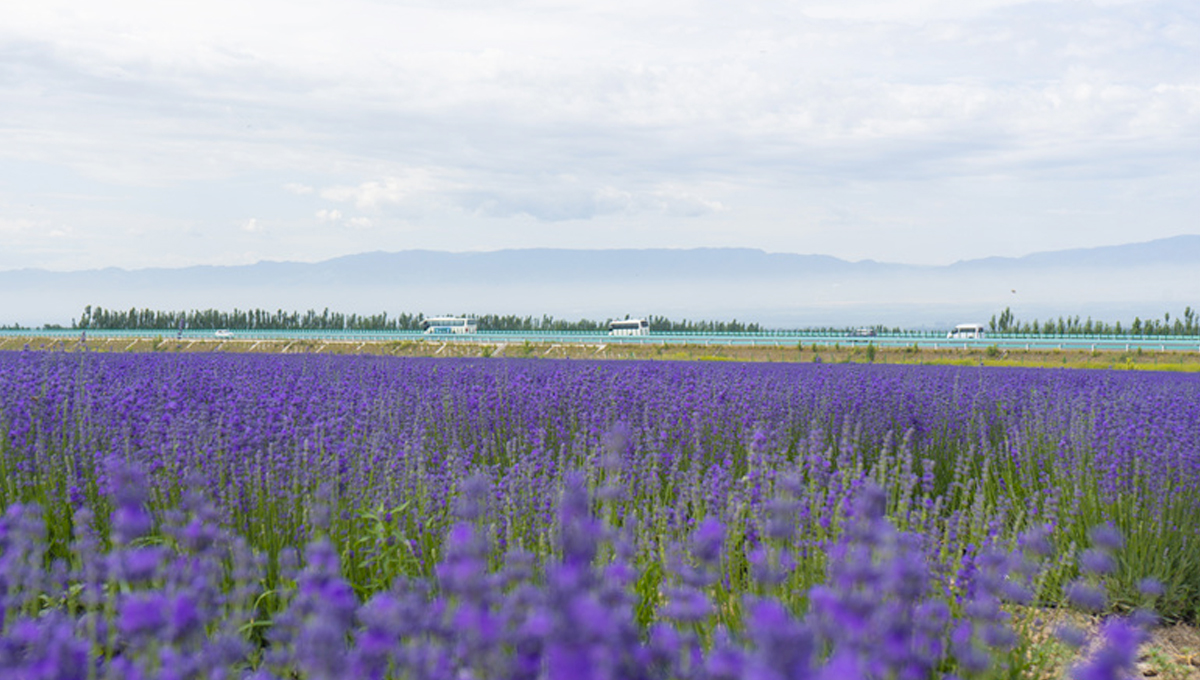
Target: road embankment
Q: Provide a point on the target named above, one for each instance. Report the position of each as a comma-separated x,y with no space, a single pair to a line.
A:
793,353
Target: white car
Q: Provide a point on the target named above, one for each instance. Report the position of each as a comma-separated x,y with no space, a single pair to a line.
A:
223,334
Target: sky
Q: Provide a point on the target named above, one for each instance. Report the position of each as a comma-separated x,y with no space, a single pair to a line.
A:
162,133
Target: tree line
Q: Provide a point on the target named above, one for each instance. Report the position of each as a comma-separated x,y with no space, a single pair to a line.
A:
99,318
1188,324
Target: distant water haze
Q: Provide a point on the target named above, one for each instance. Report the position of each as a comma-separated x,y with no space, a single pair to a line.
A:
774,289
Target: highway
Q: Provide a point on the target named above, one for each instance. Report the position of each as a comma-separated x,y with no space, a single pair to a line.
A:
922,339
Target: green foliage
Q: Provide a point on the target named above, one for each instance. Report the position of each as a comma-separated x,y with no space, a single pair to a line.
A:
255,319
100,318
378,549
1189,324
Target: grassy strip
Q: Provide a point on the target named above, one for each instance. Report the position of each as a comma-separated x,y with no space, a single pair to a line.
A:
1177,361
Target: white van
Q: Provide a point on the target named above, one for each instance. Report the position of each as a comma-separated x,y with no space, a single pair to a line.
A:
967,331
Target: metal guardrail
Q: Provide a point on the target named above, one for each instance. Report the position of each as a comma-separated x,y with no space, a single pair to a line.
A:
922,339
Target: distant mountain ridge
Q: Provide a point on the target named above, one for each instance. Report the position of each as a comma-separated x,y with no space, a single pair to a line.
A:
1176,250
717,283
560,263
533,264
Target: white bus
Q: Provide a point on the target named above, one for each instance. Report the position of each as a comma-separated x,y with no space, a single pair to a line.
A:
439,325
967,331
629,327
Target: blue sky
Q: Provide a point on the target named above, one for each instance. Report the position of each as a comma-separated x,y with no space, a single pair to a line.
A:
163,133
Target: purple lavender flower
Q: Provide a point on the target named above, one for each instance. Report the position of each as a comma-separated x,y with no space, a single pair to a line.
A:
781,519
707,541
43,648
782,645
142,614
1151,587
1096,561
578,530
1036,542
1086,596
1117,656
472,501
1072,636
971,657
726,660
1106,537
686,605
137,564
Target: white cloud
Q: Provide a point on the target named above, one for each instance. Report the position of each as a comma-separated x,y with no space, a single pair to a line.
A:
297,189
374,194
252,226
684,201
326,216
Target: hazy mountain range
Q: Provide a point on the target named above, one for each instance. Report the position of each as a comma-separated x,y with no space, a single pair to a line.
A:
776,289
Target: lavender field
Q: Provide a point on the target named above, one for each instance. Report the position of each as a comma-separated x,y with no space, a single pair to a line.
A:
191,516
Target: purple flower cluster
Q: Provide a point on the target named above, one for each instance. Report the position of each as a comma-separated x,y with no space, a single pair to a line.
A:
371,517
159,610
151,606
